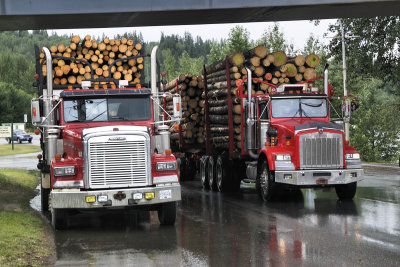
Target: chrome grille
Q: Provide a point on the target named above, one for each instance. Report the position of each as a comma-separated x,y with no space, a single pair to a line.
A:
321,150
117,163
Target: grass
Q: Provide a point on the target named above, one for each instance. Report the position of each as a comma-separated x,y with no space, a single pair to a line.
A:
23,238
6,150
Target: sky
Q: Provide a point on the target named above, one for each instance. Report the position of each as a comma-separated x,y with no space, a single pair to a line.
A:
295,32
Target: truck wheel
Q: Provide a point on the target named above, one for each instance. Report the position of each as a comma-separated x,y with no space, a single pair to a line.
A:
167,213
59,219
222,175
346,191
181,166
190,169
19,140
212,181
9,140
265,182
44,198
204,172
30,141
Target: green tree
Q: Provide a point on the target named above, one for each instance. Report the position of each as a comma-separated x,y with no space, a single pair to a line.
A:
274,40
238,41
170,65
14,103
374,132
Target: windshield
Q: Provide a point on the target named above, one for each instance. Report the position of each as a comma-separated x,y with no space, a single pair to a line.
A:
299,107
107,109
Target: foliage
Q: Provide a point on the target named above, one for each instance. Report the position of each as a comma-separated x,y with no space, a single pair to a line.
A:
22,236
14,103
375,130
274,40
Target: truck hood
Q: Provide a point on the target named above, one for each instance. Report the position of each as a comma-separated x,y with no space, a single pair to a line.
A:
290,127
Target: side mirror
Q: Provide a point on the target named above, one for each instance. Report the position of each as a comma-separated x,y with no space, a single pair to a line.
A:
177,102
35,112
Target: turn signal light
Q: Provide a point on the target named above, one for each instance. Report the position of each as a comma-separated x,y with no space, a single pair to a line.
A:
36,76
347,142
138,85
58,157
39,156
96,86
34,112
113,86
104,86
37,131
168,152
176,127
177,106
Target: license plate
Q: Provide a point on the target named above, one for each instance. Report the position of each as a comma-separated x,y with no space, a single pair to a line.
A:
165,194
322,181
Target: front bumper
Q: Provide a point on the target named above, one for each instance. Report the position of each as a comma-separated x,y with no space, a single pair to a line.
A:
75,199
319,177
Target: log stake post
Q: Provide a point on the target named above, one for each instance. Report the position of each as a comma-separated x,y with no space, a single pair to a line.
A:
181,144
209,150
230,117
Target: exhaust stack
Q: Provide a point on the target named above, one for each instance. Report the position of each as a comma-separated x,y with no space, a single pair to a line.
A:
326,90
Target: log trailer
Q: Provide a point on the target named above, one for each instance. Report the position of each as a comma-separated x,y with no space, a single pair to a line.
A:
104,148
287,141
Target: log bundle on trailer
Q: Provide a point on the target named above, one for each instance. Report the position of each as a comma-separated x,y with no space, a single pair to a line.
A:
99,55
226,75
190,87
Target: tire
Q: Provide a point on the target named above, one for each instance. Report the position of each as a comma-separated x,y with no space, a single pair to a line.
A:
19,140
167,213
44,199
265,182
212,179
222,174
346,191
59,219
9,140
204,172
181,166
30,141
190,169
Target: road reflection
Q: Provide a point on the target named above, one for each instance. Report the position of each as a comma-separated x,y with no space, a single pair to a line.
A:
300,228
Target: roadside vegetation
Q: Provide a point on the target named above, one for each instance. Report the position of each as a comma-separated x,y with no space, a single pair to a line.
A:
5,150
24,238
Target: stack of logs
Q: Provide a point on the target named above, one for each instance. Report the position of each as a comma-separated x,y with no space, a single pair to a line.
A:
274,68
190,87
99,55
217,95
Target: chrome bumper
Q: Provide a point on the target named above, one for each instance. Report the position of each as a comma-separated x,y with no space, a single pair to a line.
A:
76,199
319,177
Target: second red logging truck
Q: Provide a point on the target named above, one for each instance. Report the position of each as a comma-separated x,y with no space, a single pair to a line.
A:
287,139
104,148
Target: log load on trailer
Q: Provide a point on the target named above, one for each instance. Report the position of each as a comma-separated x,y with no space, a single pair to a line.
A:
278,135
104,144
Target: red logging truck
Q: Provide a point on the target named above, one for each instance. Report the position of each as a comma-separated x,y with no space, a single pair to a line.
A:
288,140
105,147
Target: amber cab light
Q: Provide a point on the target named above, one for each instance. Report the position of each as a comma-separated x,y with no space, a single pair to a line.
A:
37,131
39,156
347,142
168,152
58,157
36,76
176,126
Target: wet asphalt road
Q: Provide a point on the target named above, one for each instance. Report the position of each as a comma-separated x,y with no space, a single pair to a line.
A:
308,228
304,228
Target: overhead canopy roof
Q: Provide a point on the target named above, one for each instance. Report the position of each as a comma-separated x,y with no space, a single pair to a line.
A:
61,14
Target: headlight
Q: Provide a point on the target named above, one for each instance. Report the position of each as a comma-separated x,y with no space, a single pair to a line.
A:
166,166
283,157
352,155
64,171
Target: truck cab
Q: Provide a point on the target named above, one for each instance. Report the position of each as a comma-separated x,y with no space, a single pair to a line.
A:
104,146
296,145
